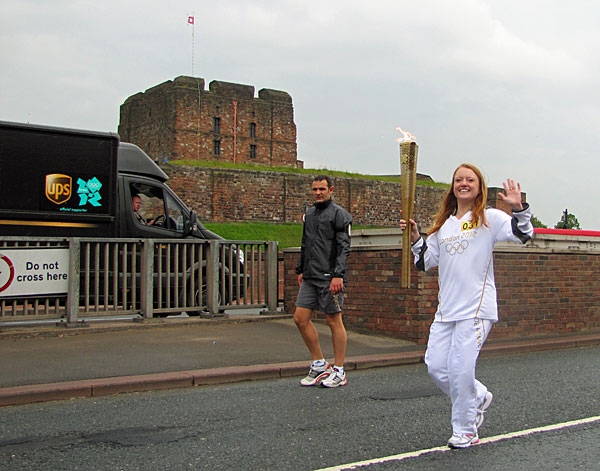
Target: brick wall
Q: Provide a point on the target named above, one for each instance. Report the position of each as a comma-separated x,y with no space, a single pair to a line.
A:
540,293
220,195
375,303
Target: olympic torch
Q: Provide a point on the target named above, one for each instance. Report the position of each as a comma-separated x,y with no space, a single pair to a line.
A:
408,181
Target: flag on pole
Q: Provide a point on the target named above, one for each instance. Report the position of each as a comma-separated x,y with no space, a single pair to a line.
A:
191,22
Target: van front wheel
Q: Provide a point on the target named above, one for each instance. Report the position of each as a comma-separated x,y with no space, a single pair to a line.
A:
202,302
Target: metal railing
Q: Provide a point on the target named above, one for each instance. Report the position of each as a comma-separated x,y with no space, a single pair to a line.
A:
150,278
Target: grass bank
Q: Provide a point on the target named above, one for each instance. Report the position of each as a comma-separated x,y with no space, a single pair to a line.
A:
288,234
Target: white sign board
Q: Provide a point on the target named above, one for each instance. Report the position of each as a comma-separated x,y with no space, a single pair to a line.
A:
33,272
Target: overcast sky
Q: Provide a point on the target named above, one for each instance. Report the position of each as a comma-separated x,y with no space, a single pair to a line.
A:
511,86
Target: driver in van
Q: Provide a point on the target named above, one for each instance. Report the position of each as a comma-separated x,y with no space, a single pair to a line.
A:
136,203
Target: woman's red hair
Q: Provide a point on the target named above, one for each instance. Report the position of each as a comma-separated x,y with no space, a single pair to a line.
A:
450,205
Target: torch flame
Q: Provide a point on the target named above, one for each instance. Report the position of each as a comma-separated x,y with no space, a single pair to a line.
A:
406,136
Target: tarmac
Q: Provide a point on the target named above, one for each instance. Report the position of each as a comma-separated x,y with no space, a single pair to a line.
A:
55,362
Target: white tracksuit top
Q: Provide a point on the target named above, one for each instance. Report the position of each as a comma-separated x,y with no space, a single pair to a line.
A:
464,256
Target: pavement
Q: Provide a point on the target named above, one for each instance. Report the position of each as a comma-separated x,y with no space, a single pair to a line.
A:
45,363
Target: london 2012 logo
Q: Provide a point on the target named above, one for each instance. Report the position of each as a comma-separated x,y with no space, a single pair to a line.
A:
7,272
89,191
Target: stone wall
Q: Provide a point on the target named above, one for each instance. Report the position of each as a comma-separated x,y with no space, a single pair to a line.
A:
176,120
542,289
221,195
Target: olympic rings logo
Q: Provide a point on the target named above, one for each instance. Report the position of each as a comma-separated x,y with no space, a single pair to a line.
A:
457,247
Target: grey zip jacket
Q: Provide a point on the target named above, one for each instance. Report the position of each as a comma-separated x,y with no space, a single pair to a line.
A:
325,242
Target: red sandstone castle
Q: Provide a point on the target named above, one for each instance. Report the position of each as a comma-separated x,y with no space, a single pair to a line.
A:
180,120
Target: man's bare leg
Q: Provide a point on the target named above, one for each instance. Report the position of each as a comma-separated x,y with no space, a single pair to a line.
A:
302,318
338,337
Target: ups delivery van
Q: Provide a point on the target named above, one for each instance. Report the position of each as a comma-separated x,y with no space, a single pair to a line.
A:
73,183
57,182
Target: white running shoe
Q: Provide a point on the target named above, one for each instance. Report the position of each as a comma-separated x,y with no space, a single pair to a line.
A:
463,440
335,379
480,416
316,375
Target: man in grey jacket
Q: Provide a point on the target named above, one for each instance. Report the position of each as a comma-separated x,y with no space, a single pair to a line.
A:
321,276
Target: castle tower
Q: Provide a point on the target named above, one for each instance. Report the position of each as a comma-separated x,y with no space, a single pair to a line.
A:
179,119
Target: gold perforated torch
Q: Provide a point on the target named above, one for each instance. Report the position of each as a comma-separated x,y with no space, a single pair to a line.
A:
408,181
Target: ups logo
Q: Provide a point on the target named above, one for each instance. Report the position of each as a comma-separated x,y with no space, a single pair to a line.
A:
58,187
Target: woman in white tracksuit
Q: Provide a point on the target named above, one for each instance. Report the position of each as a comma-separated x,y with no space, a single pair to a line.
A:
460,243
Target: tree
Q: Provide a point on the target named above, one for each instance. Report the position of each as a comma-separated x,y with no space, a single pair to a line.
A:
568,221
535,222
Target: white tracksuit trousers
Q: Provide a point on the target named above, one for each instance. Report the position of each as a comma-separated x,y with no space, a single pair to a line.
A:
452,352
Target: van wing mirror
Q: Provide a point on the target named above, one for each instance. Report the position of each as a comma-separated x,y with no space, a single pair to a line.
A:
191,223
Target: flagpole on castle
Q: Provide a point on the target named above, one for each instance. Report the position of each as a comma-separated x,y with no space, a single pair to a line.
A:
191,21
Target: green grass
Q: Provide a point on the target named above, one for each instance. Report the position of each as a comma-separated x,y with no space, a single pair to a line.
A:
302,171
288,234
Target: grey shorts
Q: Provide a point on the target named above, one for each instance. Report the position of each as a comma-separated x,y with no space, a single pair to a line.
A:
315,295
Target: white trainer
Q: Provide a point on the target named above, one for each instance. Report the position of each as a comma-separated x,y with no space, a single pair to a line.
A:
316,375
463,440
335,379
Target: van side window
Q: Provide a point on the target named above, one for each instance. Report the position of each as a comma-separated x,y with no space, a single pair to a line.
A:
148,205
156,207
175,212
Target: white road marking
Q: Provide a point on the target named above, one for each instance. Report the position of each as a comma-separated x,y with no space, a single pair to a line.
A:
496,438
